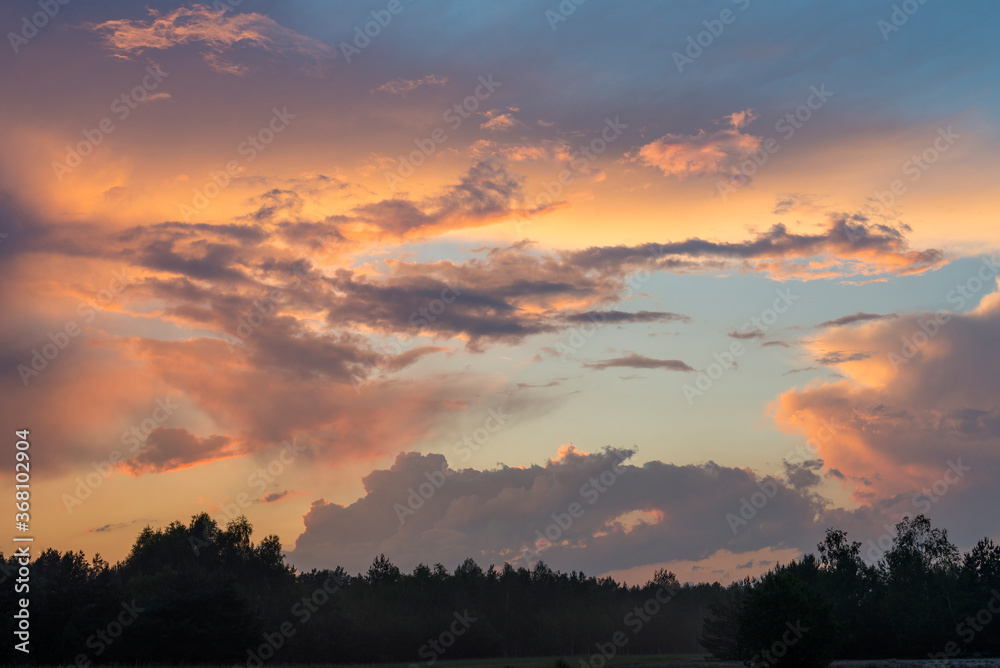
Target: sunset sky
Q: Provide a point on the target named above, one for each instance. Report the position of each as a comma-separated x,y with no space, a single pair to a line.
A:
614,286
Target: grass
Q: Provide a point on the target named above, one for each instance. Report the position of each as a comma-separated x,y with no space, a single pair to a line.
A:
645,661
640,661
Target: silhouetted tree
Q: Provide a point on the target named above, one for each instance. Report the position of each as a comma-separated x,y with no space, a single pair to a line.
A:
722,626
210,594
786,622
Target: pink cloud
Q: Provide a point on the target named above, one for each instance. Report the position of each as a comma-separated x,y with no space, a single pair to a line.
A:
406,86
715,153
221,32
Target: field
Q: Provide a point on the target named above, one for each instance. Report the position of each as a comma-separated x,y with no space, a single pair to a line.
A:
680,661
650,661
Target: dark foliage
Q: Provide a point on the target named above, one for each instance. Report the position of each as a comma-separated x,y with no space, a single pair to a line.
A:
198,593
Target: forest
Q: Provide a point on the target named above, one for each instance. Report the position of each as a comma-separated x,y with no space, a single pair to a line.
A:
198,593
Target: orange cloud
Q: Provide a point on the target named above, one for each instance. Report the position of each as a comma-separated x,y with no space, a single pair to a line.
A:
715,153
220,31
920,395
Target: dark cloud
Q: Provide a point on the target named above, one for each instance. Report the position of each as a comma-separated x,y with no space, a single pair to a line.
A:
109,527
117,525
503,297
636,361
801,475
623,317
795,202
749,334
277,201
839,357
845,238
418,305
485,194
857,317
175,230
780,344
496,516
166,449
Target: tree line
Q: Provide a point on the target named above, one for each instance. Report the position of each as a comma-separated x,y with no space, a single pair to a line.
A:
198,593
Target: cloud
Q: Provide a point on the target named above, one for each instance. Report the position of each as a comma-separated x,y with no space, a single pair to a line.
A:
109,527
796,202
167,449
839,357
716,153
857,317
501,120
635,361
802,475
225,36
779,344
623,317
507,295
486,194
848,245
908,410
337,395
311,349
405,86
514,152
115,526
749,334
496,516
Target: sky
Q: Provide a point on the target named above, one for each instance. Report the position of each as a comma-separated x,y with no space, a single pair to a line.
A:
612,286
